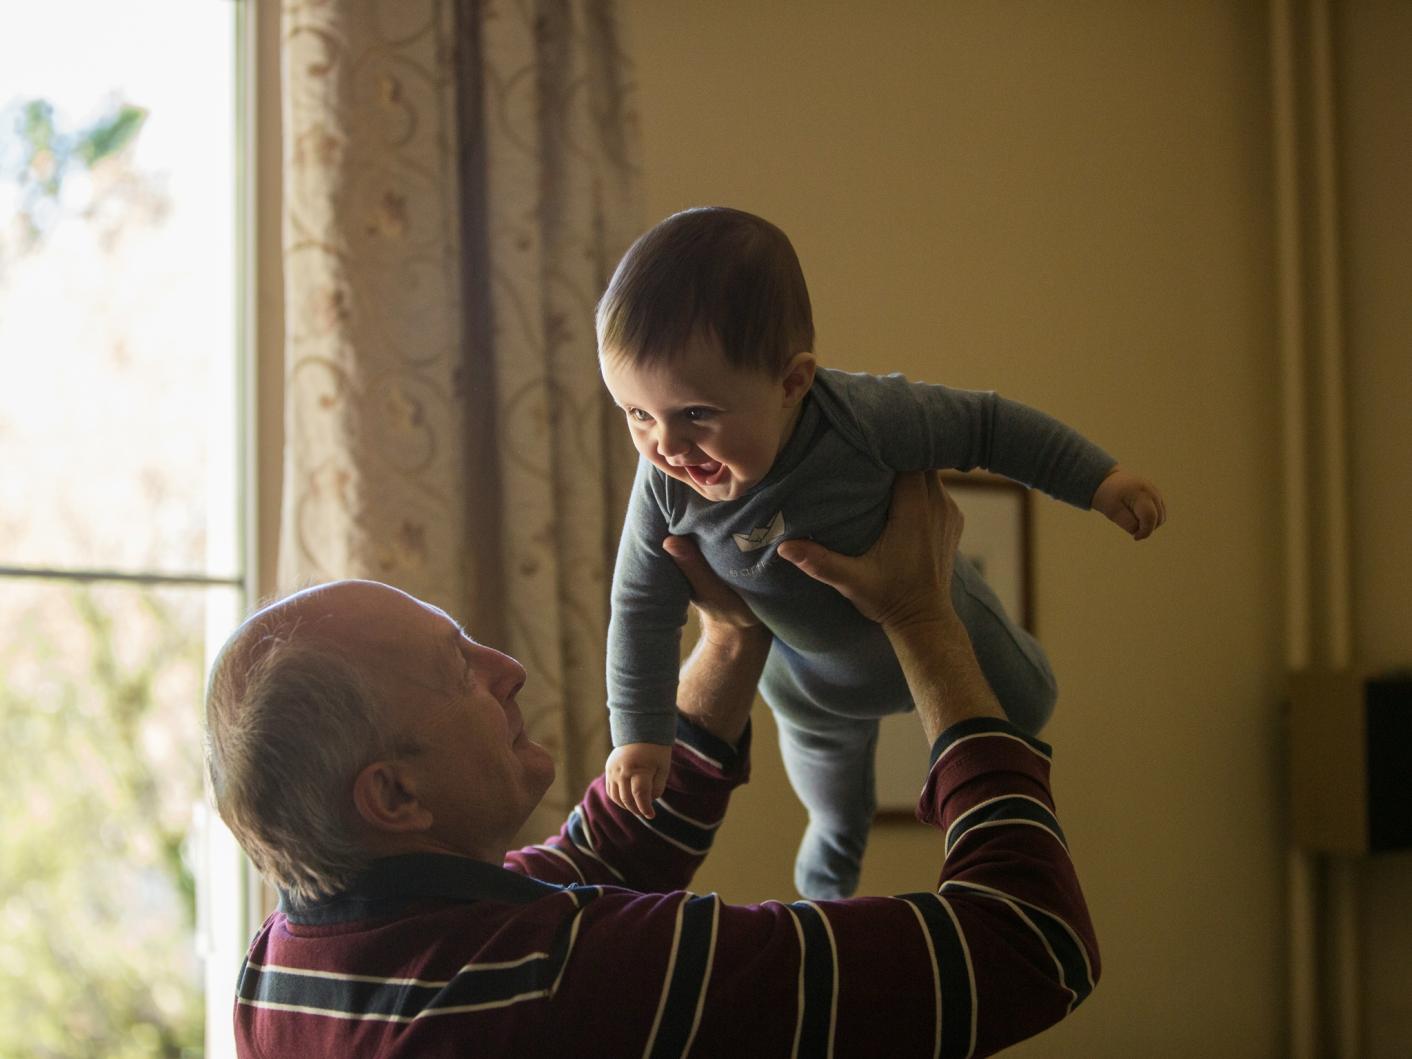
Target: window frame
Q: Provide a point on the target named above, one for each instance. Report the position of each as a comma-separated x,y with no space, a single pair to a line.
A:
231,898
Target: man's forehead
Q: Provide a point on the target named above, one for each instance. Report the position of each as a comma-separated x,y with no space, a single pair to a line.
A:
399,634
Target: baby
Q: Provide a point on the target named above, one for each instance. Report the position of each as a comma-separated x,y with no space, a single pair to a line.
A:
705,338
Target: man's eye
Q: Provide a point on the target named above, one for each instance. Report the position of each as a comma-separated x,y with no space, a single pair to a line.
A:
637,415
699,415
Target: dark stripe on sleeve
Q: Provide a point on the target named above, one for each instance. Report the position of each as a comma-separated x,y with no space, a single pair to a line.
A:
1003,809
980,726
580,837
688,976
578,831
817,957
494,985
246,983
953,973
1072,963
1068,950
335,995
538,975
472,987
688,834
712,746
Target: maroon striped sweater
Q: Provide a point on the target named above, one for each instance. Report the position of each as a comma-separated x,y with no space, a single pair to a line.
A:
590,945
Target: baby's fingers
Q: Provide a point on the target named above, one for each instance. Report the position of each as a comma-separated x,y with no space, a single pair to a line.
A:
1124,519
642,794
615,792
1146,514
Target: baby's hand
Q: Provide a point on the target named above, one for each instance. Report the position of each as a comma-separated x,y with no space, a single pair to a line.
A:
1132,502
636,775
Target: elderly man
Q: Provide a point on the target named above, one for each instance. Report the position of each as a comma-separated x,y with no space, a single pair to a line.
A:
370,757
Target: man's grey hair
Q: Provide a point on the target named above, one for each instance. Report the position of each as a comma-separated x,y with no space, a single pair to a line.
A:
290,722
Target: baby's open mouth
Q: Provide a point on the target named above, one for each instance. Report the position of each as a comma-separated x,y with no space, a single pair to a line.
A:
707,473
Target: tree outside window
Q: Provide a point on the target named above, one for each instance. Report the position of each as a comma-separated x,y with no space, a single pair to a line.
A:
117,511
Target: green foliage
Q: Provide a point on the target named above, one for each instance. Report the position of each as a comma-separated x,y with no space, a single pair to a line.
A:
109,135
98,692
37,135
49,154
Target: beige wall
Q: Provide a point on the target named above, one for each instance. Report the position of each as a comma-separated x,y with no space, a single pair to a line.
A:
1069,205
1373,49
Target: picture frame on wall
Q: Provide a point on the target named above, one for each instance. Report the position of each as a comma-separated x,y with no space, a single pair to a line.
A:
997,539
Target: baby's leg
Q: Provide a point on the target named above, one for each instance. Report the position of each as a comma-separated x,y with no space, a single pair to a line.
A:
1013,662
830,766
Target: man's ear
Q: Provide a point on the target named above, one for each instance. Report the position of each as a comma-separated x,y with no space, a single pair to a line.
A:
386,799
798,377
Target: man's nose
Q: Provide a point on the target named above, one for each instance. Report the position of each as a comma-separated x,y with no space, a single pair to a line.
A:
499,670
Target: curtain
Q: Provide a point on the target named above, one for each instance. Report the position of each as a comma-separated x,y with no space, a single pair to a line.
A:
460,179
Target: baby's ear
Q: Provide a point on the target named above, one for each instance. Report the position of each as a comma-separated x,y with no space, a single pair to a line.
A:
798,377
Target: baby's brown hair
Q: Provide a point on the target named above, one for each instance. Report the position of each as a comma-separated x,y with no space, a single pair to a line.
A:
712,272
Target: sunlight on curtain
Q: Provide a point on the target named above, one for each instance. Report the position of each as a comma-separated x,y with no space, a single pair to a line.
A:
460,181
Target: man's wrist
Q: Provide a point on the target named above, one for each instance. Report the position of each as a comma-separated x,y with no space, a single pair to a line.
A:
942,672
937,626
717,688
732,637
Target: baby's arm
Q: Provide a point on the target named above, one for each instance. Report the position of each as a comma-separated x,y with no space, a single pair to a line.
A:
714,696
922,426
649,603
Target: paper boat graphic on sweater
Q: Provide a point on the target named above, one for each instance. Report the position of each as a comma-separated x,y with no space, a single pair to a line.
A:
758,538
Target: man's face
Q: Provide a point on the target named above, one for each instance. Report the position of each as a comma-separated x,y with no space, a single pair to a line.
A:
699,419
482,774
474,767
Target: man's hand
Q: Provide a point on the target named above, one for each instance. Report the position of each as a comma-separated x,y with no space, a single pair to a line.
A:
905,577
903,582
1132,502
636,776
722,611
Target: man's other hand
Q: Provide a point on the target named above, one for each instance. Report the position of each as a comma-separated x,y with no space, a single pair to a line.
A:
905,577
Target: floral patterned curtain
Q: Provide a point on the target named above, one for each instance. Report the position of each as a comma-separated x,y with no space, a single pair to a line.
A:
460,179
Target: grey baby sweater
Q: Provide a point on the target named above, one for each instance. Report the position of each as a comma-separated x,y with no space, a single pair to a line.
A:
831,483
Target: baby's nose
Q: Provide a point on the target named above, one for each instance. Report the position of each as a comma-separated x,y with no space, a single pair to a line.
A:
671,443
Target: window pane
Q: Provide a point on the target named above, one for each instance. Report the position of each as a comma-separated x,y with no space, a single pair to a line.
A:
117,281
100,736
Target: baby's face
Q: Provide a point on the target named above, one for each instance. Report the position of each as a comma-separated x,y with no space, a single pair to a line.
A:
703,421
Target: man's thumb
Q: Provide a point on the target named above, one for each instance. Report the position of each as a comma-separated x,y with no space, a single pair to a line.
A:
810,557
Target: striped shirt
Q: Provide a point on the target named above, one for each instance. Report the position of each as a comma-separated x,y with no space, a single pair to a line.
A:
589,944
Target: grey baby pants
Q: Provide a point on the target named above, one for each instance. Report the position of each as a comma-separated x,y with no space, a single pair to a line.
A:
828,746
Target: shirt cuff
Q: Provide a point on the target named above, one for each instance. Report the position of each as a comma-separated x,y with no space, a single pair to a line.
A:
714,751
980,726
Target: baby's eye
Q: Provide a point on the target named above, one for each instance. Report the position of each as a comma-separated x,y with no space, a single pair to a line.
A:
699,415
637,415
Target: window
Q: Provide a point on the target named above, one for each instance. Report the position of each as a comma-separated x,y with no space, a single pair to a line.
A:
122,561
